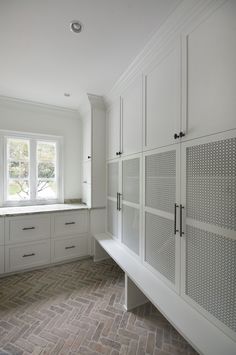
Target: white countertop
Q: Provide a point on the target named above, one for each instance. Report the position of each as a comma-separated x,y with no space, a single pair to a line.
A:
13,211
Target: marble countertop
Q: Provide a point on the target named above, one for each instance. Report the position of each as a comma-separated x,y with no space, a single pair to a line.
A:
15,211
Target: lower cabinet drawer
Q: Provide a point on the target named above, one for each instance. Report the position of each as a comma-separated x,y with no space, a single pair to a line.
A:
24,256
1,259
71,223
70,248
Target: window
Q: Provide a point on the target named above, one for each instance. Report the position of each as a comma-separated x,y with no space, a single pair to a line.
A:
32,169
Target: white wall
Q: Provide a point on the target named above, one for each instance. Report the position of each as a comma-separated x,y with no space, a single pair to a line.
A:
16,115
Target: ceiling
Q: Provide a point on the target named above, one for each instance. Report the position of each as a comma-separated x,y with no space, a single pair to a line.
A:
41,58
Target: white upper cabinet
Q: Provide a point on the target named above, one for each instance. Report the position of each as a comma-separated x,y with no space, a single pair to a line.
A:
87,137
211,73
113,130
163,99
131,106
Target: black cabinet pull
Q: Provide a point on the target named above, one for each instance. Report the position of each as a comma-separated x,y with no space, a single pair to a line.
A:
117,201
69,223
85,182
89,156
71,247
28,228
27,255
181,134
175,230
181,233
117,153
119,205
176,136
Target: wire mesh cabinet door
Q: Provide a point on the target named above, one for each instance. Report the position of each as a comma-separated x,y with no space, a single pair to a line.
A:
113,188
208,242
131,203
161,213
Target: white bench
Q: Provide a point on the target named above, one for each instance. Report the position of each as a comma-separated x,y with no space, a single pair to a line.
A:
141,284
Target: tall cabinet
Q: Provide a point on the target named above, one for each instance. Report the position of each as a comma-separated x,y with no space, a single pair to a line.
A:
171,201
92,111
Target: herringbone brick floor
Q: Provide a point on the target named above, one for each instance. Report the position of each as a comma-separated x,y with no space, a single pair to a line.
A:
77,308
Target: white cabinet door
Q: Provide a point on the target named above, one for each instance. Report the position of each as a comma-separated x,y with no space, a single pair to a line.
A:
211,74
163,100
87,137
113,188
162,192
1,231
132,118
131,206
1,259
209,239
113,130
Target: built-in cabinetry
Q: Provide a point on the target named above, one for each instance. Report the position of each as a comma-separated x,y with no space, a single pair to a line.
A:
41,239
1,245
124,122
92,111
174,205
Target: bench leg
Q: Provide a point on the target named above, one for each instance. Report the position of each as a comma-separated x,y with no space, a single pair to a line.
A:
133,296
99,253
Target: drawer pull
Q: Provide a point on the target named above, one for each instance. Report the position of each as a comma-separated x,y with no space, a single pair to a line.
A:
68,223
71,247
27,228
27,255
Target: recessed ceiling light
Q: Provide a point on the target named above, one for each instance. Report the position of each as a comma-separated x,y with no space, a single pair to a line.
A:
67,94
76,26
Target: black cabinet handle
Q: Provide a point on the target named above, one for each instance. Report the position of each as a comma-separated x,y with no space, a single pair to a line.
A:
117,201
175,230
28,228
181,134
27,255
85,182
181,233
68,223
71,247
119,206
89,156
117,153
176,136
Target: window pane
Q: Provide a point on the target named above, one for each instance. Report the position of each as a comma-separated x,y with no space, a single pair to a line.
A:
46,151
18,190
18,149
18,169
46,189
46,170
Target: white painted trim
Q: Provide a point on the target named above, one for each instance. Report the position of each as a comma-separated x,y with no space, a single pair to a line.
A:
32,137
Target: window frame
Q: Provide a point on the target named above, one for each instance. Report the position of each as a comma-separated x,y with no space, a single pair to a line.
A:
33,139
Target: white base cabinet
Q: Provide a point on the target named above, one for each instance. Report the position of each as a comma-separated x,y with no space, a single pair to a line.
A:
27,255
69,248
41,239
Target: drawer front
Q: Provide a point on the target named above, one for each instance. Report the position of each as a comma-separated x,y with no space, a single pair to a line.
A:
1,259
24,256
70,248
1,230
27,228
71,223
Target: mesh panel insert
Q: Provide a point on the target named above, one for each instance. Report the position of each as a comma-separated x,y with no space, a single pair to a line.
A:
160,180
131,180
210,273
160,245
130,235
113,178
211,183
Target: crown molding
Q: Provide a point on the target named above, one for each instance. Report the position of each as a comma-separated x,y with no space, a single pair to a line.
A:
170,30
6,100
89,102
